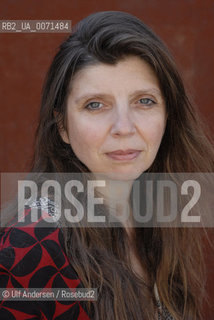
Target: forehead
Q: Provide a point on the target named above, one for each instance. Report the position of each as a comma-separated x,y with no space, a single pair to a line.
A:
129,73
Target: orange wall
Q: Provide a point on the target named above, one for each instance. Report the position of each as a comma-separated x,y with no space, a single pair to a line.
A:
185,25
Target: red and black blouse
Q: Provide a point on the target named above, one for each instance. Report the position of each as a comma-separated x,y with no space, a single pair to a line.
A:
33,256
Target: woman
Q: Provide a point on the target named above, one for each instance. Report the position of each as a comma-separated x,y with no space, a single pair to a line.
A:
113,103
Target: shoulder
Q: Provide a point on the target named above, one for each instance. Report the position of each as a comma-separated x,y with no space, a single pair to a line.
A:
32,255
37,242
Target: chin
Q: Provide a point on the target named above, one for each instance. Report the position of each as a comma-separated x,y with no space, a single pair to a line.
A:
122,176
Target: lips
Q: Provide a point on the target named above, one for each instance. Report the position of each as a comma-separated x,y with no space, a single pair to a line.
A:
129,154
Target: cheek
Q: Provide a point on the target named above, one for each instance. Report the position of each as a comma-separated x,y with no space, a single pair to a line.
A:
156,135
153,132
84,135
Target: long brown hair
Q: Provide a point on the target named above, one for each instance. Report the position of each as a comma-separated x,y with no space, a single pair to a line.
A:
171,258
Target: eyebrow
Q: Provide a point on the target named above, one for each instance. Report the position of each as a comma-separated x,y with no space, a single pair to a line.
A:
152,91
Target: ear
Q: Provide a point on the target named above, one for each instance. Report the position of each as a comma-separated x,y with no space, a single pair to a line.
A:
60,126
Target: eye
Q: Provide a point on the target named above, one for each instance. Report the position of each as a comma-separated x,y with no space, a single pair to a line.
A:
94,105
147,101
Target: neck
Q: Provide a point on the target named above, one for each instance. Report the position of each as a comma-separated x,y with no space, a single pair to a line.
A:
116,195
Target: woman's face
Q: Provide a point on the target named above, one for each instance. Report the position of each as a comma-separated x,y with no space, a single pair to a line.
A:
116,118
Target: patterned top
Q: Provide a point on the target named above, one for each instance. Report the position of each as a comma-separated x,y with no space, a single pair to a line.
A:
33,256
161,309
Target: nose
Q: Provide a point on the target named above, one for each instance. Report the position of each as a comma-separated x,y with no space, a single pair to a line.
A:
123,123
